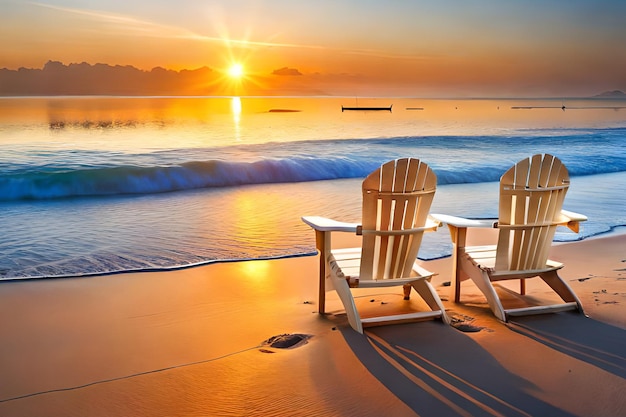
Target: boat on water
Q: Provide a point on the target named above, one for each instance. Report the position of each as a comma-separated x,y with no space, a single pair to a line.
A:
376,108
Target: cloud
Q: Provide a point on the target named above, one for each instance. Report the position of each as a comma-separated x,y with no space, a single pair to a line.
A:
286,71
147,28
140,27
129,24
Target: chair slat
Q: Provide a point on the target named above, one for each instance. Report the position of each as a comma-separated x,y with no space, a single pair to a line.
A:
535,170
521,172
385,217
546,170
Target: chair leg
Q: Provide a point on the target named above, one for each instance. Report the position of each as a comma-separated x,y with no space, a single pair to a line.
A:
559,286
345,295
429,294
407,291
482,281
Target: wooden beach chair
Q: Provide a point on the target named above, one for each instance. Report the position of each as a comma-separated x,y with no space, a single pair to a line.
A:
531,200
396,201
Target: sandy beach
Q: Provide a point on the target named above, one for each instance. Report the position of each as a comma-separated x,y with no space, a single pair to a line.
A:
197,342
159,161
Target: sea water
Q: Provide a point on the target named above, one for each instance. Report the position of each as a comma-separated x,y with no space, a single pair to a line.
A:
92,185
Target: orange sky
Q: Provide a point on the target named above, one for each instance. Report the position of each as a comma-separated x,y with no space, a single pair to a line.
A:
350,47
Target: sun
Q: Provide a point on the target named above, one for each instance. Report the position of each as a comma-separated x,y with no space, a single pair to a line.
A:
236,71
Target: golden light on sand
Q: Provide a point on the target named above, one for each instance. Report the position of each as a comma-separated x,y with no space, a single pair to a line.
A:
236,71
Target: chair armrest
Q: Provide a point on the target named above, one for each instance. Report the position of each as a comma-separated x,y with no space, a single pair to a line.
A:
324,224
462,222
571,220
432,222
574,217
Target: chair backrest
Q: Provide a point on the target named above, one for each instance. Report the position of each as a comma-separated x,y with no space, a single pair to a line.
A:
531,198
397,199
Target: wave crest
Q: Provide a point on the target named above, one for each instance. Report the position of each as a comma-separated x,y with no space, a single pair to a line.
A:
43,184
455,160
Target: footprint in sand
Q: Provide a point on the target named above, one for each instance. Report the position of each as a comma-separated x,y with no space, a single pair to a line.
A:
463,325
285,341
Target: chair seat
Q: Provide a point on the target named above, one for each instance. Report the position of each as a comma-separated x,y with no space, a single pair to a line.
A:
348,260
484,257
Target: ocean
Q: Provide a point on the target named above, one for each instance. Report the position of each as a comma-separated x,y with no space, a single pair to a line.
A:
96,185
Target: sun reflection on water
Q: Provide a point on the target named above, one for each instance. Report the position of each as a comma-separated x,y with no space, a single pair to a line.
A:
235,106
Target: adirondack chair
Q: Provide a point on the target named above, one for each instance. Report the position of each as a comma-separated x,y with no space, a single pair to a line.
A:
531,200
396,201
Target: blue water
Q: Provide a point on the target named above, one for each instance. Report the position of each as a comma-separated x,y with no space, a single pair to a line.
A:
87,173
164,192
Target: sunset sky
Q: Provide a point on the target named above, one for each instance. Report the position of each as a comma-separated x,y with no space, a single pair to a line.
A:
354,47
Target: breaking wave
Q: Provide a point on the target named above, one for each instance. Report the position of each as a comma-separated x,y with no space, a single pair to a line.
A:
456,160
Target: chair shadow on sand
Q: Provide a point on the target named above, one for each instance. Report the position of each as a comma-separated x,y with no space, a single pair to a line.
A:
586,339
436,370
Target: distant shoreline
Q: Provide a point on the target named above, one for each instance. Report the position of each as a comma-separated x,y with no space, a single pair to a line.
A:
203,96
